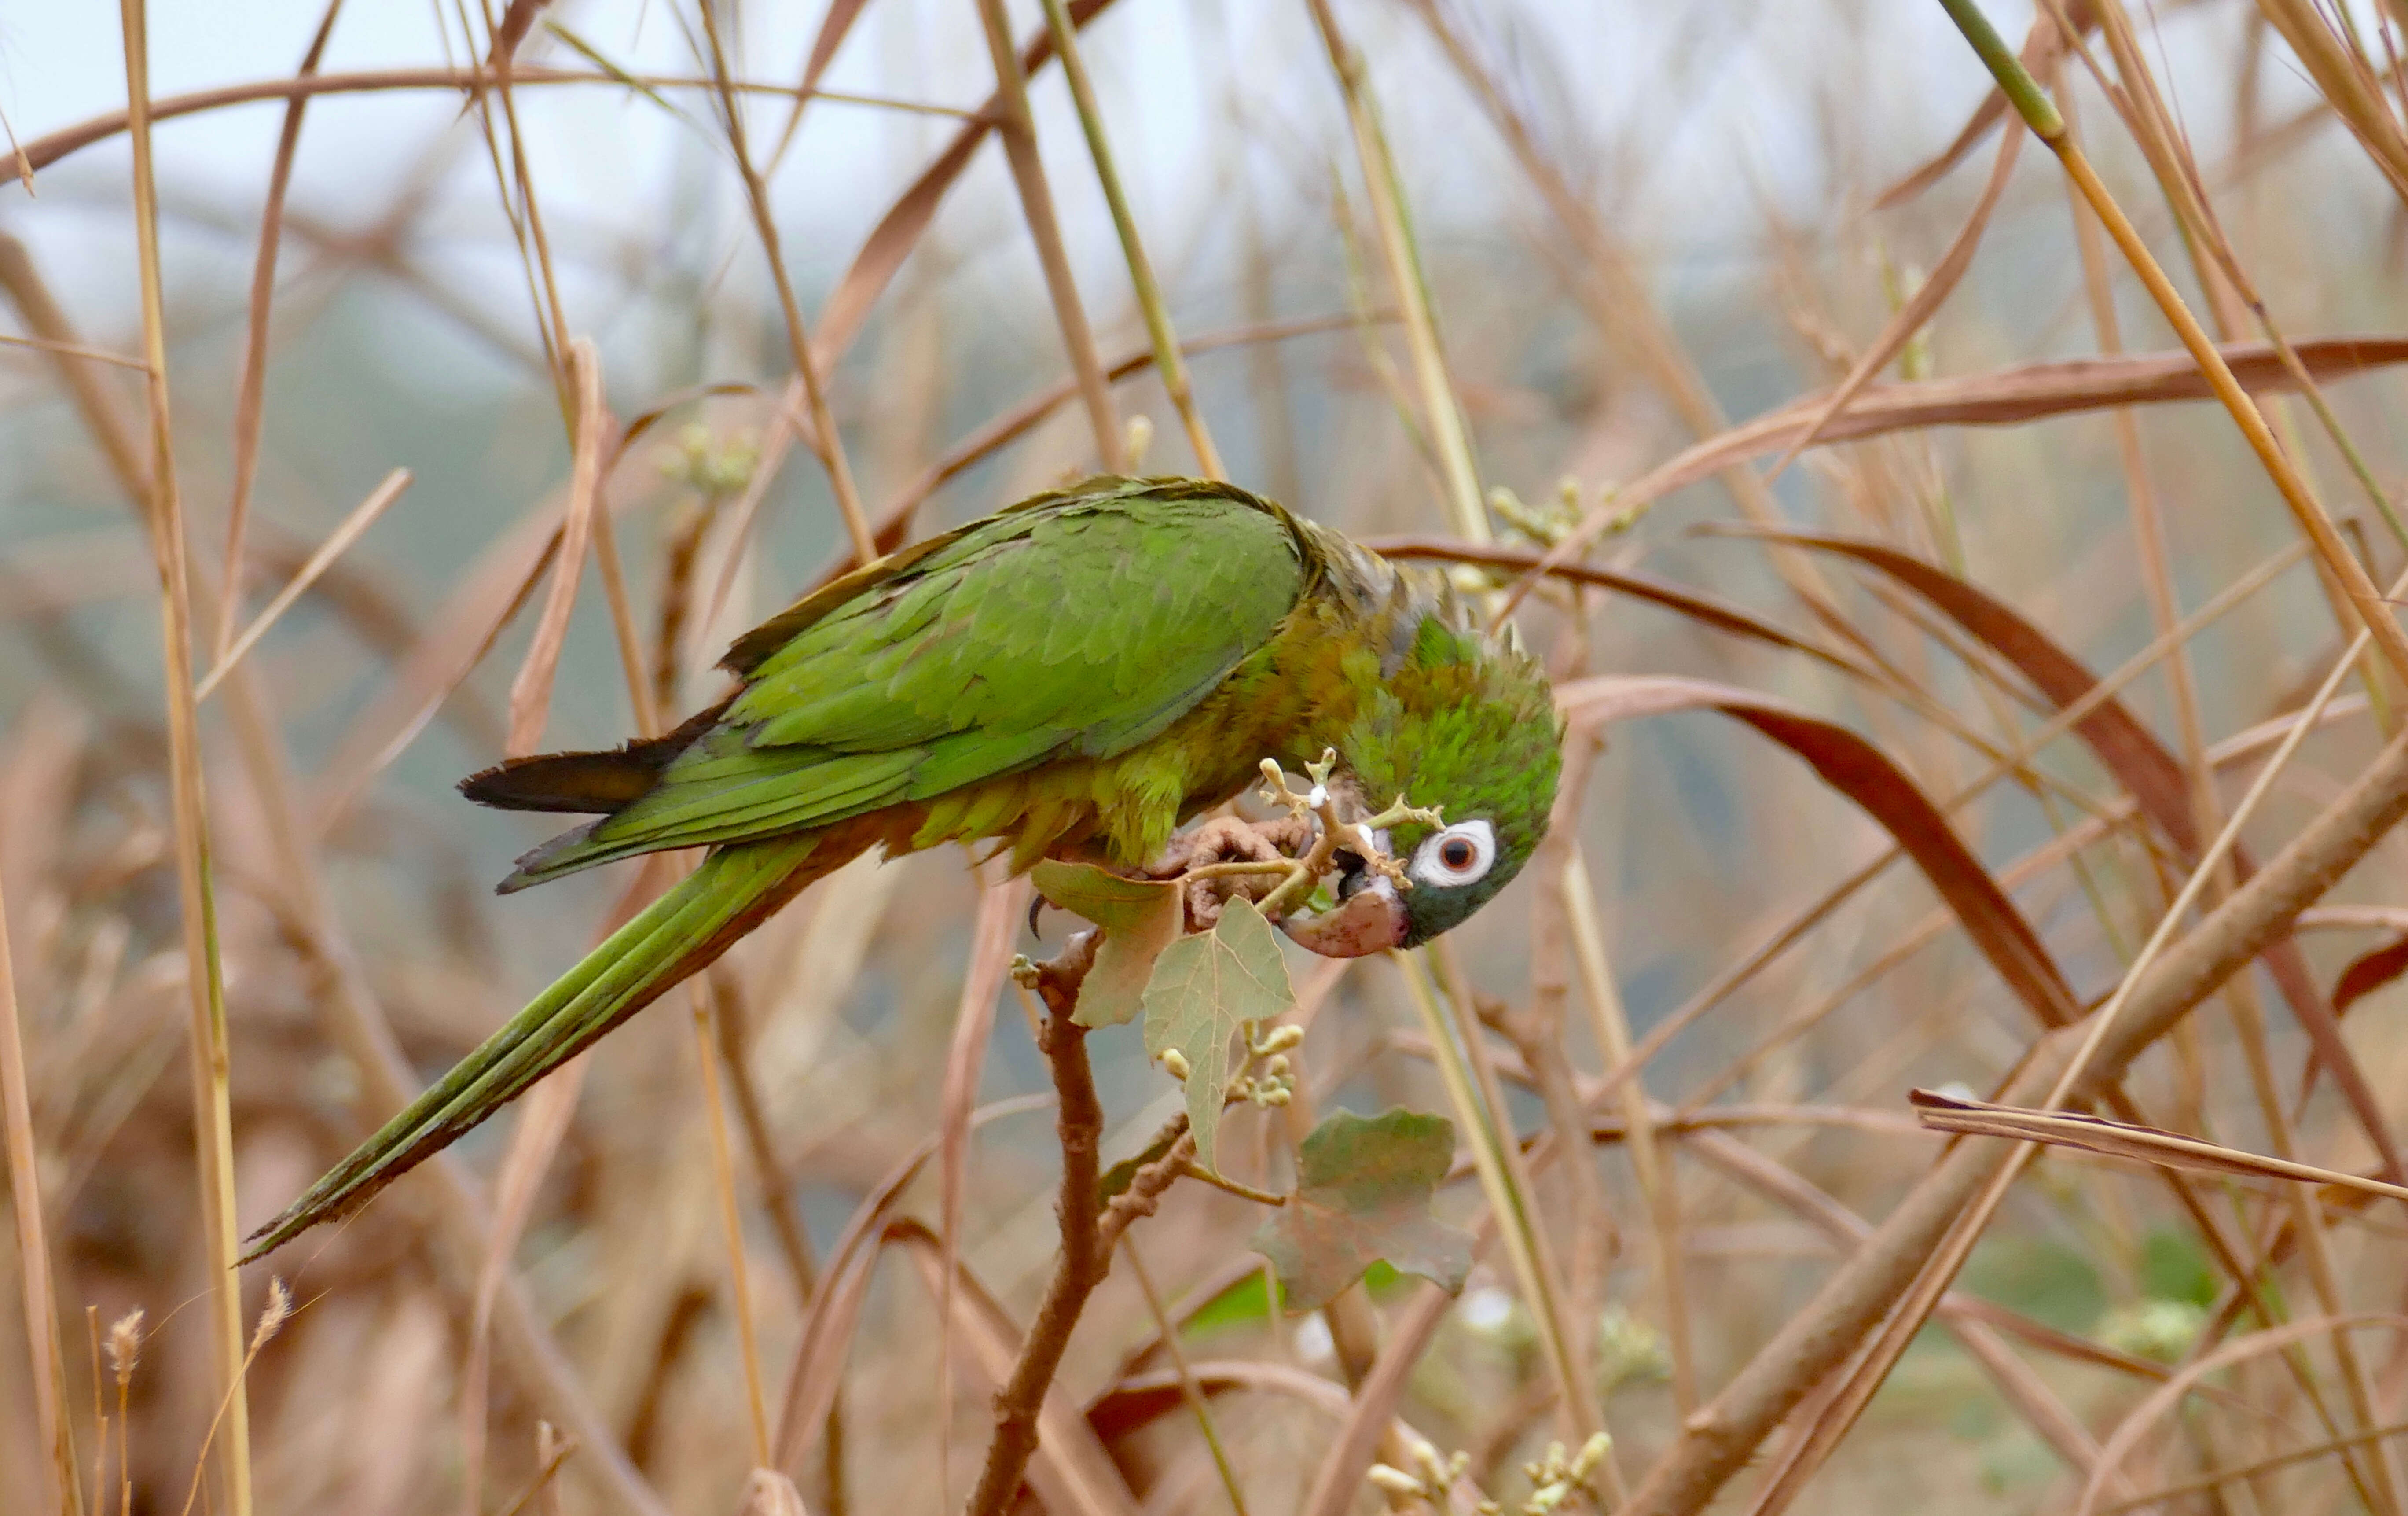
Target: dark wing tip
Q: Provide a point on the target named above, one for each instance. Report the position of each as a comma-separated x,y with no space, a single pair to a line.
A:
586,783
577,782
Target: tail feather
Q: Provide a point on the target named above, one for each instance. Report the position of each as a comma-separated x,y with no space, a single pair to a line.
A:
586,782
689,926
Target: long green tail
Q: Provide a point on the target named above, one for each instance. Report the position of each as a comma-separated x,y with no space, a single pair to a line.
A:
735,889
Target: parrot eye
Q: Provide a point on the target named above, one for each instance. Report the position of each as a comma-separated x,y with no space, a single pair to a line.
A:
1459,856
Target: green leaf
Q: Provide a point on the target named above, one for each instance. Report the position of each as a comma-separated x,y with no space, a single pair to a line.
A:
1205,986
1363,1195
1117,1179
1140,917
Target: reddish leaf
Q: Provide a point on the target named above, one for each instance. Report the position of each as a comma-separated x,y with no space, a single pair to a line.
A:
2006,396
1706,610
2115,737
1860,771
2141,764
1363,1194
1139,918
2369,973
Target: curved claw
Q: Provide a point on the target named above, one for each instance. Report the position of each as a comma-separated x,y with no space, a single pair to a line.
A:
1371,920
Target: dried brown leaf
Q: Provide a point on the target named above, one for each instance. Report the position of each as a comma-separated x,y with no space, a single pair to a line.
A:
1919,308
1706,610
2124,1139
1865,776
1139,918
2004,397
531,691
2141,764
900,230
2368,972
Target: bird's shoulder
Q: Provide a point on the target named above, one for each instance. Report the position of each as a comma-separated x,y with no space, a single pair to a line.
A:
1109,527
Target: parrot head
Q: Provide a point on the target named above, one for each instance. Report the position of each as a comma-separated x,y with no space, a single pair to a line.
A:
1465,726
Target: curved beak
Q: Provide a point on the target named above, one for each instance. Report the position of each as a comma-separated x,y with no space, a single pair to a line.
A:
1371,919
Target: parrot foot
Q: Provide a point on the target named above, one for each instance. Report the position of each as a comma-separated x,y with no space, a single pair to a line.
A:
1229,838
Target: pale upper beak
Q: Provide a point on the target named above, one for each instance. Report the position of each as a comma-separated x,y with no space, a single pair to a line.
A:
1369,921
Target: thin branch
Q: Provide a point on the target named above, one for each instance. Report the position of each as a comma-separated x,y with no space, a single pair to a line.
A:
1725,1433
45,150
825,440
252,388
1085,1257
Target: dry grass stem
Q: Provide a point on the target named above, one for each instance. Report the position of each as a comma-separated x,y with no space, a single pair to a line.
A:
211,1047
1168,360
353,527
1018,130
1991,750
47,1376
531,691
825,440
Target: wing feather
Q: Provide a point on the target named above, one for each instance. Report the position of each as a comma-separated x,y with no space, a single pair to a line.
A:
1083,625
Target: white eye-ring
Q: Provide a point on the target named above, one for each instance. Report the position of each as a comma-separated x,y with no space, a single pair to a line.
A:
1459,856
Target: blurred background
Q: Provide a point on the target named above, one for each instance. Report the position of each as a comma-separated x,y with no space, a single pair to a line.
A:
1634,228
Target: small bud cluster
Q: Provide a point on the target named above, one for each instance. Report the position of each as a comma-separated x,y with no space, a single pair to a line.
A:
1428,1483
1268,1077
1549,523
1267,1050
699,459
1555,1479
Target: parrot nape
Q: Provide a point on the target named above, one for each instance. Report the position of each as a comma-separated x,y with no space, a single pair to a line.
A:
1075,676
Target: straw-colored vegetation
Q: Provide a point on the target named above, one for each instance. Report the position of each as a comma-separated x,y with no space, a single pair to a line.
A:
1954,478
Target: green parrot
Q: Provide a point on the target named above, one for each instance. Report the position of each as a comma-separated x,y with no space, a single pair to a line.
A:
1075,676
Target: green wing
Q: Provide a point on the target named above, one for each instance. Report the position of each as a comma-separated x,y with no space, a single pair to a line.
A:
1082,624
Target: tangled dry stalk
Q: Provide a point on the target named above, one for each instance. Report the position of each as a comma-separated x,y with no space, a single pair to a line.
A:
2003,748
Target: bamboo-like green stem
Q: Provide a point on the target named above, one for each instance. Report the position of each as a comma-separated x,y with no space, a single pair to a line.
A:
212,1058
1650,1156
1386,190
2033,104
1496,1157
1235,1186
1167,359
